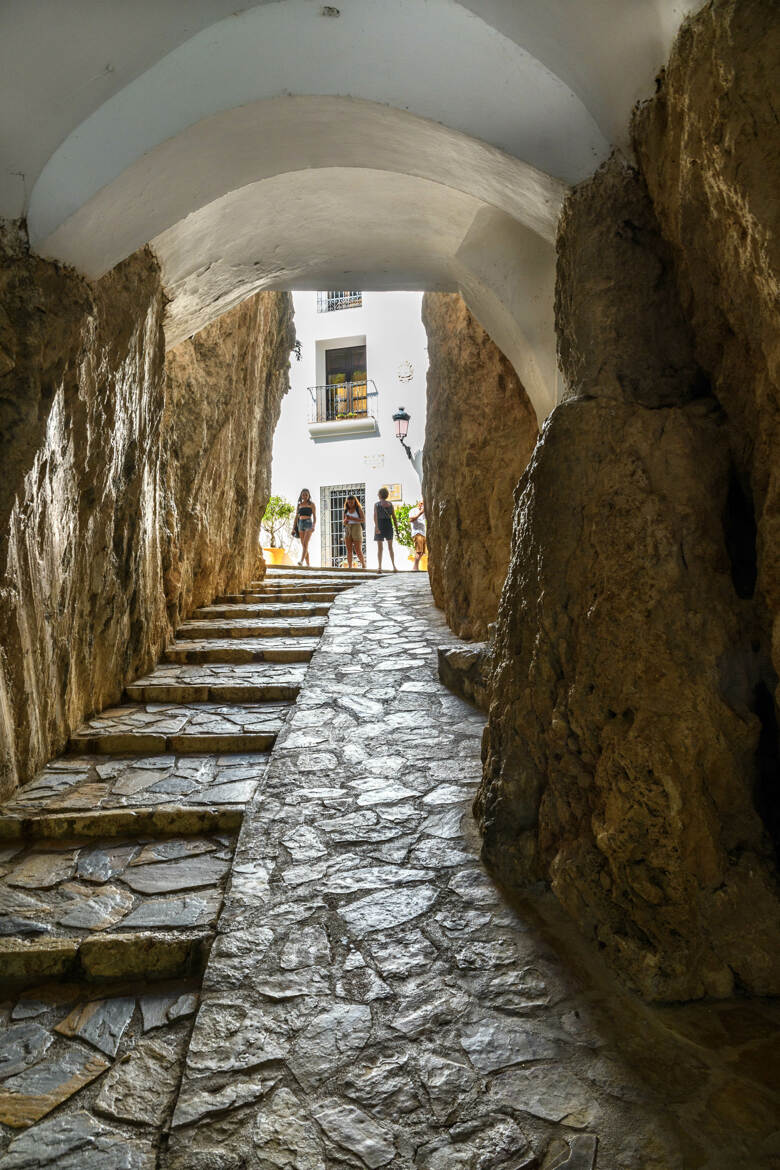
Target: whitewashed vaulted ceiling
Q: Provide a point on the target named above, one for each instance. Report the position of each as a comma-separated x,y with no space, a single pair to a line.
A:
291,144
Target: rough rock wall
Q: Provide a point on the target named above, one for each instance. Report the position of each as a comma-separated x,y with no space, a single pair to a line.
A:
81,608
708,147
223,397
623,751
479,434
105,494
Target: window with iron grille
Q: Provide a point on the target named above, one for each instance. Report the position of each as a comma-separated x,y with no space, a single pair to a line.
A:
346,392
328,302
333,544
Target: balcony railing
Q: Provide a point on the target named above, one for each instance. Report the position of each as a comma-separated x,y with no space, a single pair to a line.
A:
328,302
342,401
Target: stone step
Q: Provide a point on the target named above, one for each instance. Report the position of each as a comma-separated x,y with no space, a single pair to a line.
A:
262,610
242,628
294,597
242,650
110,1045
282,593
219,681
150,955
96,795
334,577
310,585
165,820
56,893
182,728
161,692
315,571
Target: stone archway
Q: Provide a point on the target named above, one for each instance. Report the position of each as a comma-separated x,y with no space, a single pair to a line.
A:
237,119
448,171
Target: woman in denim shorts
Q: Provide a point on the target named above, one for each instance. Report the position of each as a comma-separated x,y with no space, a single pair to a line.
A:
305,520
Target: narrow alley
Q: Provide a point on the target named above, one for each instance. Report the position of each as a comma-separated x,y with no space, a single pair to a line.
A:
370,998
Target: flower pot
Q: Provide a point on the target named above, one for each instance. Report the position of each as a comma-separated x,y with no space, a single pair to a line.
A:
277,556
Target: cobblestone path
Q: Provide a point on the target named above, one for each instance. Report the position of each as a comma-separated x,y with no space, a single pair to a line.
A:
113,867
371,999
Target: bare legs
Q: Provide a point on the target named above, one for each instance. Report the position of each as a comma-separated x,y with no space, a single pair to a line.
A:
305,538
380,549
354,546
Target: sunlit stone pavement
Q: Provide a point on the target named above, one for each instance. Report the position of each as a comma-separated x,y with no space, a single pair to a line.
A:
371,999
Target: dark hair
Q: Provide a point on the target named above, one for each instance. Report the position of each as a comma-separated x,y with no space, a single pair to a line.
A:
383,493
308,493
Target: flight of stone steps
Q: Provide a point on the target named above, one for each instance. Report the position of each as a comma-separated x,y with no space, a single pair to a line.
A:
115,857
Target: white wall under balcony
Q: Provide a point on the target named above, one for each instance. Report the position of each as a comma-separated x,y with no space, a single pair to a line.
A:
394,333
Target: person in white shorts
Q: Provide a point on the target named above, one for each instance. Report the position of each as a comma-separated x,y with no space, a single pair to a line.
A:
417,521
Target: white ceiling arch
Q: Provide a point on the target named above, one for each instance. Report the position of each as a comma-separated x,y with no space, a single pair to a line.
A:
248,143
360,228
436,60
123,124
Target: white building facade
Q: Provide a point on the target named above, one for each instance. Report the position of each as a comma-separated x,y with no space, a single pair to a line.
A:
362,355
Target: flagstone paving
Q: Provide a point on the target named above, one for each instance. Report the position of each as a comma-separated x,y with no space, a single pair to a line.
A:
113,1053
113,865
182,727
116,884
218,680
246,628
264,610
241,650
87,783
371,999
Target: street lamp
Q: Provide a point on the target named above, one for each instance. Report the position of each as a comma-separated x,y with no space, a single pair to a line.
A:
401,420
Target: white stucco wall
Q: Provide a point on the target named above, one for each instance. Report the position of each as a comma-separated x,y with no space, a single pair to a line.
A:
392,326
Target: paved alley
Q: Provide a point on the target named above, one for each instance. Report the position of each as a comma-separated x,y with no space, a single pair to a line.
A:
370,998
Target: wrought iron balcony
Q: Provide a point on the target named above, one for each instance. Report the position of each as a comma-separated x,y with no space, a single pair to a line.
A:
343,407
328,302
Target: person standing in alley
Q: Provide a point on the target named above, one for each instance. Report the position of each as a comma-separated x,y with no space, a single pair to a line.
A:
305,520
354,519
417,522
384,523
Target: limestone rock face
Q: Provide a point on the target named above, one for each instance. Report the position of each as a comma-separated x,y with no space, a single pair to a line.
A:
115,482
625,756
480,431
621,747
708,147
224,389
81,608
621,331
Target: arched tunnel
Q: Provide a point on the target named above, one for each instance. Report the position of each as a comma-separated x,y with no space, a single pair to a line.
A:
249,918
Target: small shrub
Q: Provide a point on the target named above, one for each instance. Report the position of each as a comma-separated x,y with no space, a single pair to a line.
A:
404,527
277,520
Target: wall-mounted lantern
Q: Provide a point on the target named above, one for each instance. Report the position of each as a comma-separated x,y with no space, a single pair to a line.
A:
401,420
